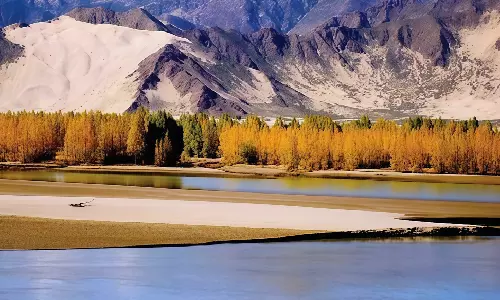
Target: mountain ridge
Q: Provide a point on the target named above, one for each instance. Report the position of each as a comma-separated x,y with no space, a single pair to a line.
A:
350,65
243,15
9,51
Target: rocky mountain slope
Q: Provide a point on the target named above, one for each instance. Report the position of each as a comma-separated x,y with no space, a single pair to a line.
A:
324,10
135,18
242,15
399,58
9,51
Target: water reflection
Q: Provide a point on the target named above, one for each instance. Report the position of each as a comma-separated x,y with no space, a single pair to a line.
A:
309,270
304,186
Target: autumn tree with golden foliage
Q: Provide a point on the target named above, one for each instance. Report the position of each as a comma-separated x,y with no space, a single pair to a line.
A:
137,134
419,144
317,143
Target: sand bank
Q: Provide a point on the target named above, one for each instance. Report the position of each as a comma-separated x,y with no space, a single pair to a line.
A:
38,233
247,215
399,176
410,208
277,171
142,222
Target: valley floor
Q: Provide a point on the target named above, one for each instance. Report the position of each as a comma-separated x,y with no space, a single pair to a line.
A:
23,233
37,215
200,212
29,233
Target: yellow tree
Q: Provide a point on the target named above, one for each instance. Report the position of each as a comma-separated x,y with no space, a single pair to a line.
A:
137,133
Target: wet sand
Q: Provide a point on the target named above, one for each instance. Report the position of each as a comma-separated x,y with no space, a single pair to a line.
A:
26,233
37,233
173,211
141,205
409,208
387,175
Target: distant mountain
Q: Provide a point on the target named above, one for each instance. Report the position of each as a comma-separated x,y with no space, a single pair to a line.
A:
392,10
242,15
250,15
397,58
178,22
327,9
296,16
29,11
136,18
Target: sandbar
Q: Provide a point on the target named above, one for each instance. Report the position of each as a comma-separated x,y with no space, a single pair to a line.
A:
247,215
410,208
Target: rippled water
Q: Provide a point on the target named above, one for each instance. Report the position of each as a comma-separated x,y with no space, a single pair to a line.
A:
303,186
394,269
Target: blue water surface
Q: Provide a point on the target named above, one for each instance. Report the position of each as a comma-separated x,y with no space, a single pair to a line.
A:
392,269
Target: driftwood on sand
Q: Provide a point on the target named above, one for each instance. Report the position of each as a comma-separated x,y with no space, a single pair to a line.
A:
82,204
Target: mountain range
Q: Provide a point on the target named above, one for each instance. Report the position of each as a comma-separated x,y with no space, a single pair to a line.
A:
243,15
390,58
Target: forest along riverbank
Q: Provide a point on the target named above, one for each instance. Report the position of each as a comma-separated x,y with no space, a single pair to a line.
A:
156,138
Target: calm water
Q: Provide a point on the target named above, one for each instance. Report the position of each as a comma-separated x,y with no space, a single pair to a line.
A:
303,186
309,270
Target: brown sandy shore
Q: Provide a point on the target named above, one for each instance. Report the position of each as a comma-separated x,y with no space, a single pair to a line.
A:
269,172
26,233
41,233
45,233
409,208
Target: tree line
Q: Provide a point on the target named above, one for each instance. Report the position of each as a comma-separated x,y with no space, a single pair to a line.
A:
316,143
319,143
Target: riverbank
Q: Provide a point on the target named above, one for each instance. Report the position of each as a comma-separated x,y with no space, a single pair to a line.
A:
37,215
23,233
27,233
200,212
387,175
252,171
408,208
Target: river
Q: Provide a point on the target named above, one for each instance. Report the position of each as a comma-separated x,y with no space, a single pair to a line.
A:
390,269
300,186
